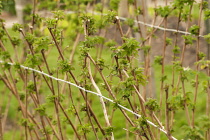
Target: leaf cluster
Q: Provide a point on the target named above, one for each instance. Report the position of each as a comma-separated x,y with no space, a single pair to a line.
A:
64,66
152,104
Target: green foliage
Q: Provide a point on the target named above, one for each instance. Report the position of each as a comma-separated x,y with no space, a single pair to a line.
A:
204,64
188,39
163,11
109,130
89,23
42,43
31,87
22,96
207,38
47,5
6,66
51,98
204,5
175,102
127,87
139,11
33,60
179,3
168,41
114,4
110,43
48,130
193,133
65,28
110,17
5,55
24,122
51,23
17,66
129,48
130,22
17,27
130,1
84,51
59,15
101,63
84,129
1,7
177,65
91,42
139,75
142,122
27,10
57,33
8,6
99,7
163,78
71,110
124,64
30,38
176,49
16,41
194,30
146,49
190,2
37,19
205,122
152,104
141,125
158,60
201,55
185,15
31,126
41,109
207,14
2,33
116,104
65,66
